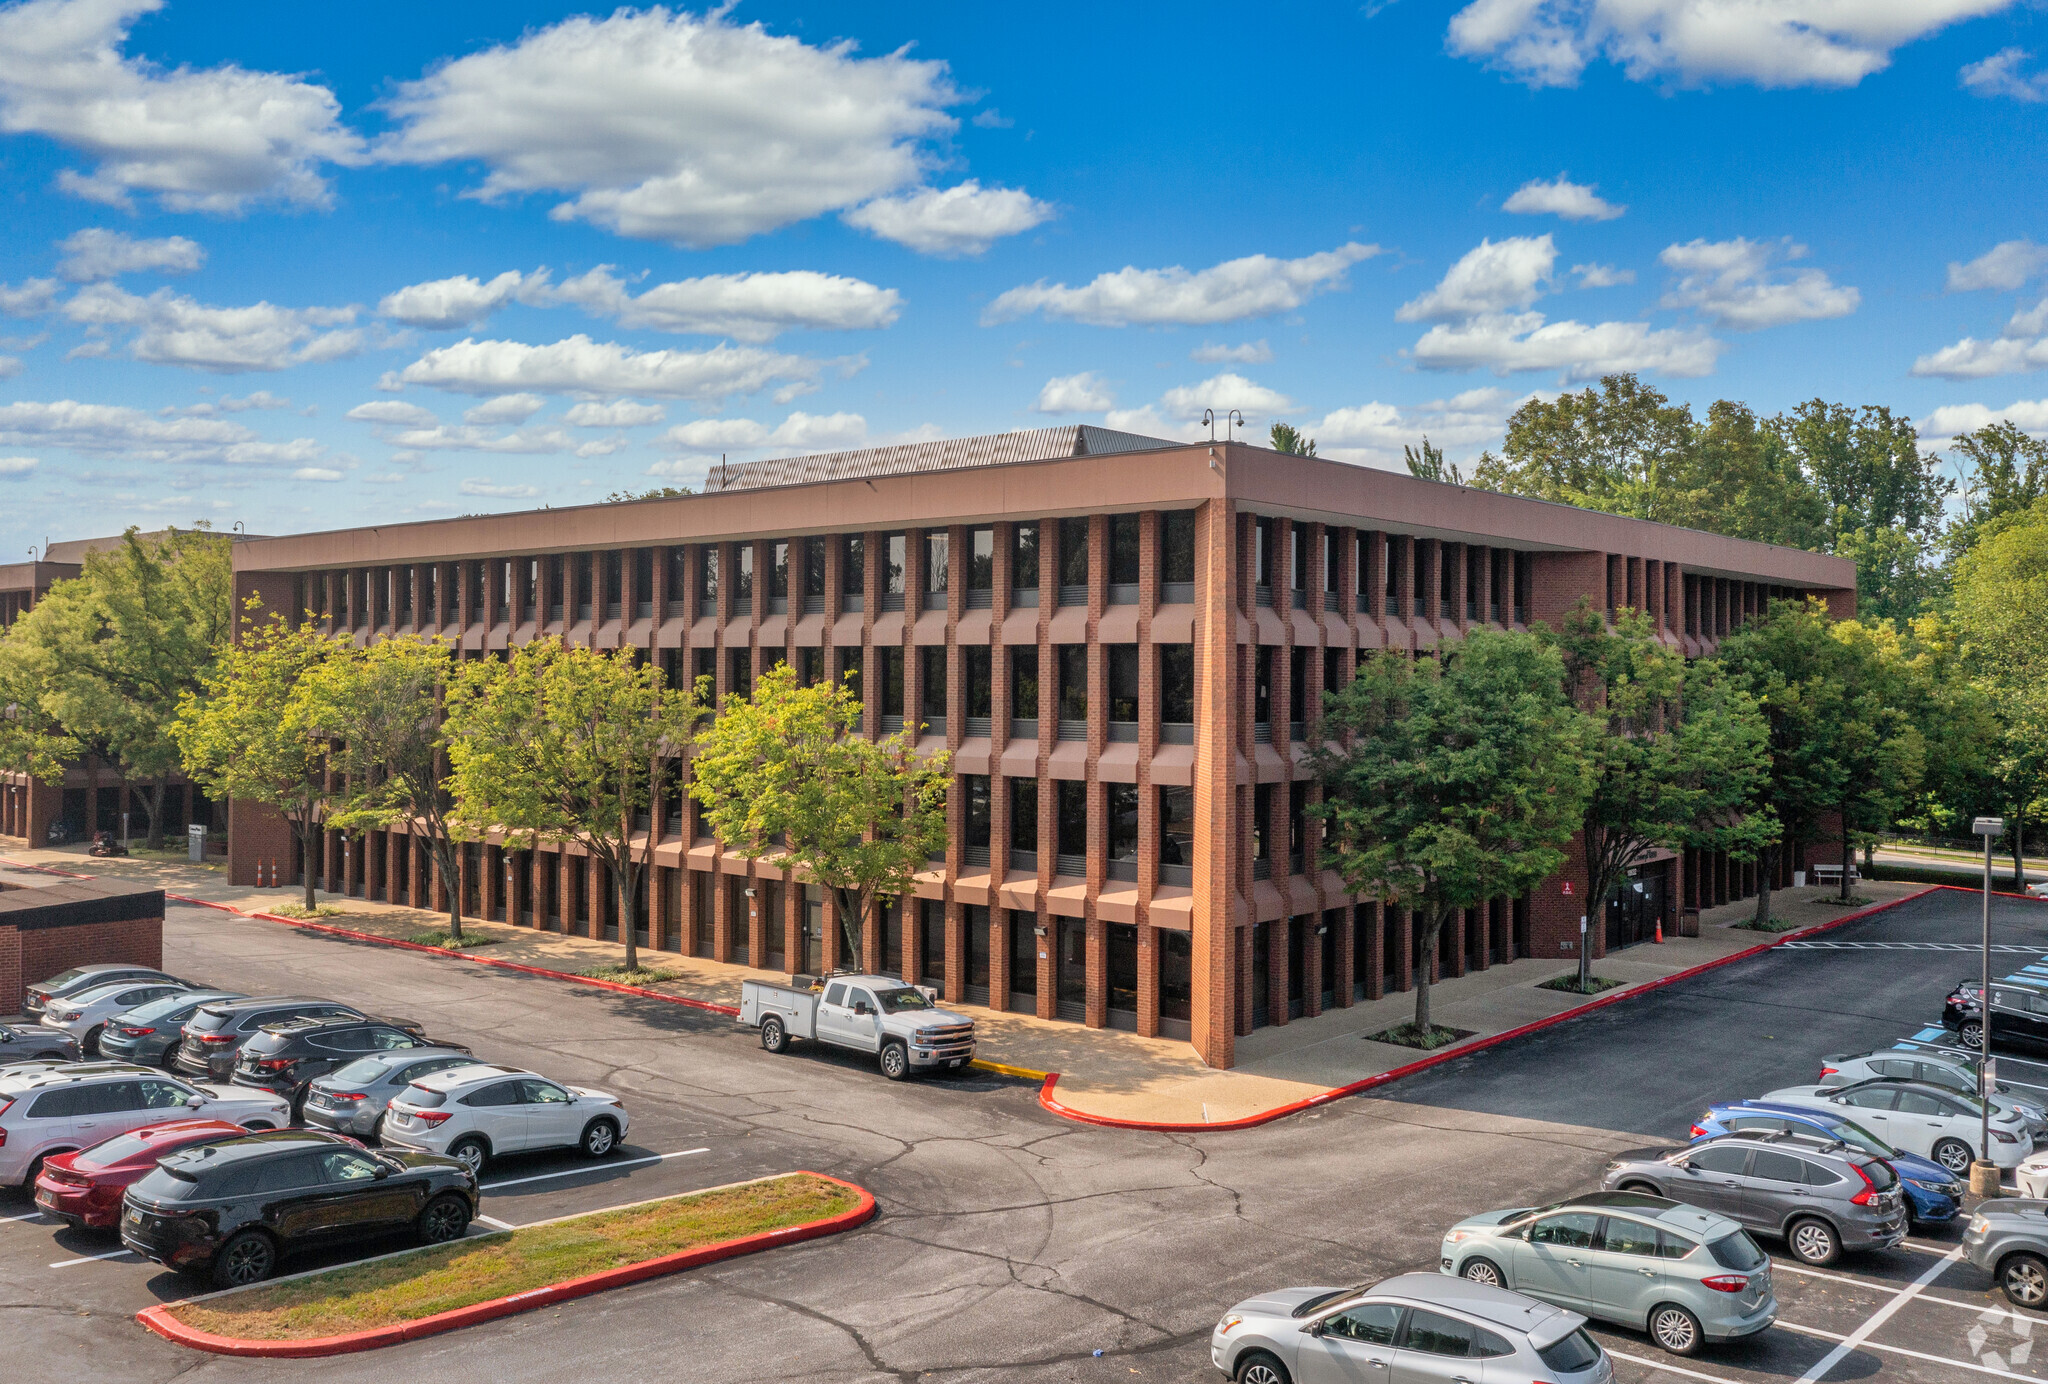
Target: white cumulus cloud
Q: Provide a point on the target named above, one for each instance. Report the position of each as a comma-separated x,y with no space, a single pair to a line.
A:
1506,343
1253,286
1086,392
2004,74
1223,392
14,468
621,413
1952,420
32,299
173,329
2008,264
578,365
200,139
495,490
961,220
1247,353
1561,197
1373,434
1492,277
475,438
96,253
461,301
506,408
801,432
2022,346
1769,43
678,127
393,413
316,473
747,307
1602,275
1735,284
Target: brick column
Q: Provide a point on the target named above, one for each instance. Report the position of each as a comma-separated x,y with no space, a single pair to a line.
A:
1217,1011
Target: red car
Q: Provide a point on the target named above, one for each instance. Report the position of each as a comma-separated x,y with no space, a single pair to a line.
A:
84,1188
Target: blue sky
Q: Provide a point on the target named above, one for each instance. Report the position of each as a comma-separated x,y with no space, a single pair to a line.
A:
395,262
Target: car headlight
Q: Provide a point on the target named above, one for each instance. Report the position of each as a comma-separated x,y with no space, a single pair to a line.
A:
1223,1327
1979,1224
1459,1236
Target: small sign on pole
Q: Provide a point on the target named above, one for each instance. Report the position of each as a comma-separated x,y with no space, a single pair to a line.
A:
1567,888
195,842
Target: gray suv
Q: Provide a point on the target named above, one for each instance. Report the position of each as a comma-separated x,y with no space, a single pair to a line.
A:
2009,1240
212,1037
1647,1263
1821,1196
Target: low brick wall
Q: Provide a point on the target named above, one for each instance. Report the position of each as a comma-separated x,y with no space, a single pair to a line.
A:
76,923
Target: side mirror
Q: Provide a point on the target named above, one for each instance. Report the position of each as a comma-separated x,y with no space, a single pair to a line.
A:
1316,1328
194,1101
382,1172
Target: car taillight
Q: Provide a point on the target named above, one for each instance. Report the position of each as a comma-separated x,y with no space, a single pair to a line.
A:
274,1064
432,1117
2004,1138
137,1032
1726,1282
1869,1192
347,1095
1826,1072
1697,1133
216,1037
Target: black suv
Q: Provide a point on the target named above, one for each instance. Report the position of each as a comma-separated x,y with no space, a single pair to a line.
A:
230,1211
207,1049
286,1057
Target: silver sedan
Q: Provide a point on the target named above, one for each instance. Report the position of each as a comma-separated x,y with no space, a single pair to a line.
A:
352,1099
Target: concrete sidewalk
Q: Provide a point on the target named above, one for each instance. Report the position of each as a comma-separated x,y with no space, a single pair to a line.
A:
1105,1073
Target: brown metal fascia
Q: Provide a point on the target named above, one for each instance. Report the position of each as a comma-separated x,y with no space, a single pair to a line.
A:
36,576
1336,492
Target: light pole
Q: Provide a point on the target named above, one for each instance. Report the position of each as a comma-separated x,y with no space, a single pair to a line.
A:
1983,1172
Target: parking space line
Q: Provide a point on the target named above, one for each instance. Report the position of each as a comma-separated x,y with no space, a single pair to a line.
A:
31,1216
591,1168
1879,1318
1673,1369
1901,1350
495,1223
95,1258
1980,1308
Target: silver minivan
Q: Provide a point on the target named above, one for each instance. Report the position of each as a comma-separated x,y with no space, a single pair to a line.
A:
1685,1275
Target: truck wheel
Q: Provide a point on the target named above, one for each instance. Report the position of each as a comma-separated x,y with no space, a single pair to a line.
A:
774,1037
895,1062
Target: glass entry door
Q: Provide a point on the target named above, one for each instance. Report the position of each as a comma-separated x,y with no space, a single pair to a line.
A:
1070,968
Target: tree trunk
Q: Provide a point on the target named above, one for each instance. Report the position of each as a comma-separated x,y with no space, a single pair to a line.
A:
850,926
1869,859
2019,849
1766,872
1596,899
451,880
1423,971
1848,855
155,839
308,834
628,924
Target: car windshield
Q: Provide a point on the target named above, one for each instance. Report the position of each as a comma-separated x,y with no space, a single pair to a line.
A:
356,1073
164,1008
902,1000
164,1184
1574,1353
62,978
1737,1252
1851,1133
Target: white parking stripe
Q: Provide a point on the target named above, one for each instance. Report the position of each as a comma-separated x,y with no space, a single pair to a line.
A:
1879,1318
31,1216
1979,1308
95,1258
1669,1368
591,1168
1901,1350
496,1224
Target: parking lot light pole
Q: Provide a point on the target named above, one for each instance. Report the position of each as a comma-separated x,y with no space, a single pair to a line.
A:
1983,1172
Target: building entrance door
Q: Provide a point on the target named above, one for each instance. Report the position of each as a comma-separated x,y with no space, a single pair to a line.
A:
1070,969
1633,912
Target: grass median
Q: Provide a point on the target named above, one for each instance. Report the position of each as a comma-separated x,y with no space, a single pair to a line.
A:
407,1287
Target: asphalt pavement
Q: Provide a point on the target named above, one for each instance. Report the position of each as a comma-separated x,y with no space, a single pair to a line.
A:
1014,1246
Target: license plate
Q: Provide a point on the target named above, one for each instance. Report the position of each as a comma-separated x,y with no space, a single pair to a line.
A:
133,1218
317,1099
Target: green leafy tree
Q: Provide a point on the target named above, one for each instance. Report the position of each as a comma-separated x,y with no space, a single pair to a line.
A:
248,732
100,664
1960,729
786,772
2001,609
1748,482
1876,740
1290,439
1429,464
659,492
1623,448
556,743
1460,778
1884,499
2006,473
380,710
1682,753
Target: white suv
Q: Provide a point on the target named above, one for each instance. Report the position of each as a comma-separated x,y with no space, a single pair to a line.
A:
83,1015
480,1111
61,1107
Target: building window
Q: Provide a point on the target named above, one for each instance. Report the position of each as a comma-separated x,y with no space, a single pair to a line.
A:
1122,801
1297,543
1023,928
1177,556
851,673
1330,563
1024,565
1024,823
892,688
979,659
981,568
892,570
1392,552
931,660
935,570
853,568
1071,813
977,954
1300,850
707,576
479,579
1262,689
1177,692
529,595
742,679
1263,560
931,951
810,666
1262,832
976,791
778,575
1073,690
1123,690
742,578
613,571
1176,835
1176,975
1073,561
1024,690
676,576
1297,693
1123,559
814,575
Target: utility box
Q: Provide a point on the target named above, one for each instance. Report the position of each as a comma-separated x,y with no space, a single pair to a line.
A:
195,843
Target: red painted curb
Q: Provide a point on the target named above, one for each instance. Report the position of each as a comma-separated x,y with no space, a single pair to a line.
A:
1046,1099
159,1319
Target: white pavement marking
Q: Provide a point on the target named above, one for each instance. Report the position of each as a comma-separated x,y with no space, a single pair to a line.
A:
1907,946
1977,1307
1879,1318
1673,1369
31,1216
1901,1350
494,1222
591,1168
95,1258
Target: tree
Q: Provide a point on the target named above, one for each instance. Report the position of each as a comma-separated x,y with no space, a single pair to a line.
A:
100,663
1623,448
1749,483
1290,439
247,733
1682,753
556,743
1884,498
1429,464
380,710
2001,609
787,772
659,492
1876,740
1460,778
2008,473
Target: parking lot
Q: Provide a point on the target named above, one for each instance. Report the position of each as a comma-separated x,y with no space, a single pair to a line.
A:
1013,1245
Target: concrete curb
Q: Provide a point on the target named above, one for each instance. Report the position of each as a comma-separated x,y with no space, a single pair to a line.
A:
1050,1102
159,1319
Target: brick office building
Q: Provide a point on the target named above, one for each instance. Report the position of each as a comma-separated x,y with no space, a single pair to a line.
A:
1121,640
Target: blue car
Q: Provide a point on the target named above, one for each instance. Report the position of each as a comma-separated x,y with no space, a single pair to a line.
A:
1932,1193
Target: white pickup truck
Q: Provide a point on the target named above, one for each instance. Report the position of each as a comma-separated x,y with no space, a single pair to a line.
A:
900,1025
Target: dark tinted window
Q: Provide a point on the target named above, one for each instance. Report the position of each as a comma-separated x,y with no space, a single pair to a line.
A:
55,1105
344,1166
1818,1174
165,1185
542,1093
1881,1175
288,1174
110,1098
497,1093
1920,1103
1574,1353
1630,1237
1772,1166
1670,1246
1757,1122
1877,1099
158,1094
1737,1252
427,1100
1574,1230
1722,1158
209,1020
1435,1334
420,1069
1373,1324
1484,1342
